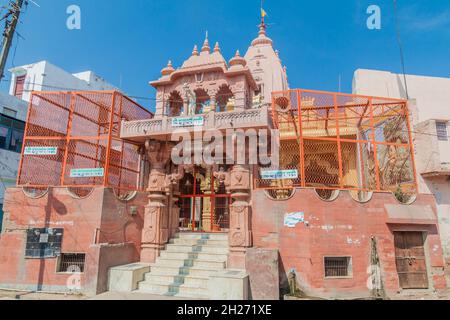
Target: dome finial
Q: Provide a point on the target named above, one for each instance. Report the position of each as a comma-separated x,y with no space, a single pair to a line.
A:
168,70
262,28
206,47
195,51
237,60
217,47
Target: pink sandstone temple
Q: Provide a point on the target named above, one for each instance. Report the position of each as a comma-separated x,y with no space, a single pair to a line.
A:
100,203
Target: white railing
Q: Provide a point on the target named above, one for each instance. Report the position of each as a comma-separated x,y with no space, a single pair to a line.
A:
256,118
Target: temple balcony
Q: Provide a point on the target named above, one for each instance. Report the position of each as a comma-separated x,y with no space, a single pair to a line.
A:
161,127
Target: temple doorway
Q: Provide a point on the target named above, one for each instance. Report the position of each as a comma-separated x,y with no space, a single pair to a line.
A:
204,202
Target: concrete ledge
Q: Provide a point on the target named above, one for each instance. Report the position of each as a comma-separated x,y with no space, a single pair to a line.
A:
126,278
229,285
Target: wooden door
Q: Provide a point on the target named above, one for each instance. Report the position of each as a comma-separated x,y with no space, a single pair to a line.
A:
410,260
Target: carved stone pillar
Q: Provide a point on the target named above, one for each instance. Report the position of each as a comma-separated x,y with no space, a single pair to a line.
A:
207,213
240,236
156,220
173,190
213,101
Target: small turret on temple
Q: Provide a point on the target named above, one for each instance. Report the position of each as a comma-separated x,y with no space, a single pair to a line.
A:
206,83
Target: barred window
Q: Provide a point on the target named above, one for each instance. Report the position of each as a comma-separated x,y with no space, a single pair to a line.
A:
71,262
19,86
441,129
338,267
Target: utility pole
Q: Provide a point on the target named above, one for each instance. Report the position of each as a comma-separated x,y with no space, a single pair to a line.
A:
8,35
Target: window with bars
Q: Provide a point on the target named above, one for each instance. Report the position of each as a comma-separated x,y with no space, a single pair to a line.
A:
441,129
71,262
19,86
338,267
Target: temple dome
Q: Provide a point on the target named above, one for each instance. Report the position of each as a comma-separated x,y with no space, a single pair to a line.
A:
168,70
205,57
262,39
265,65
237,60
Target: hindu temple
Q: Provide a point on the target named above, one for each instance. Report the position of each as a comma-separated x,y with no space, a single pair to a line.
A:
100,203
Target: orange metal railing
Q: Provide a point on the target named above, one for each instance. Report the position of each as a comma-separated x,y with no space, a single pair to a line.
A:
72,139
343,142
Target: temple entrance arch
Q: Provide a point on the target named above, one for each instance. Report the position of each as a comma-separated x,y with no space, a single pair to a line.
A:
175,104
204,202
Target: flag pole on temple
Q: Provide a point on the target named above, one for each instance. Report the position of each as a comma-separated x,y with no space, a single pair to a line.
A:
263,14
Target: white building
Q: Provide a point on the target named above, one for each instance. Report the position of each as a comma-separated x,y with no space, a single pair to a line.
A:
40,76
44,76
430,109
13,113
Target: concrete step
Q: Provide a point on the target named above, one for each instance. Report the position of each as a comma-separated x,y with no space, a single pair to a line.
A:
194,255
174,290
190,263
200,282
202,249
183,271
184,268
202,236
202,242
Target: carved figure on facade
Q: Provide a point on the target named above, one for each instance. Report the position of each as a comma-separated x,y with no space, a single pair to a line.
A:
191,99
223,177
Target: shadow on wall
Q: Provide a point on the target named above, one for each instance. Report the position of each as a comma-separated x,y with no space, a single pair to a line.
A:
284,281
60,208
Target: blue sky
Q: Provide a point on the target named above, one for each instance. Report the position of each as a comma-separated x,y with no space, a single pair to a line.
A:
129,42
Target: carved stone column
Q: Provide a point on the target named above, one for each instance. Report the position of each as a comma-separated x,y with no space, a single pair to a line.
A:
207,214
173,190
156,220
213,101
240,236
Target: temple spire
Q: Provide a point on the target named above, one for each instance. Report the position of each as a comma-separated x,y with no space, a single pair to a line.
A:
262,38
206,47
263,26
195,51
217,47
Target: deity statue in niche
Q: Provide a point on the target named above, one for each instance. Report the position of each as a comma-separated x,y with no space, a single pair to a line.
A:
231,104
206,107
191,97
257,101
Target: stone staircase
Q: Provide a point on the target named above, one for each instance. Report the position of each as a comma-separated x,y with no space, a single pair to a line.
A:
184,268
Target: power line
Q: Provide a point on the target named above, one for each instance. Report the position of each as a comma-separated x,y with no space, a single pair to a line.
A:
402,58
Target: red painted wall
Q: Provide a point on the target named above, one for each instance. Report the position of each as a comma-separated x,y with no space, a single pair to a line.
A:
95,225
343,227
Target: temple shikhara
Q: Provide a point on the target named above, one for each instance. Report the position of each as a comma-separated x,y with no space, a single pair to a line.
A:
100,203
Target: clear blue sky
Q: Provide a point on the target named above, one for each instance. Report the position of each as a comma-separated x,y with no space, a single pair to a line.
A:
318,40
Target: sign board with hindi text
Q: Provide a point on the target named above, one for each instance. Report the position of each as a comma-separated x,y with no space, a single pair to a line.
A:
41,151
87,173
188,122
279,175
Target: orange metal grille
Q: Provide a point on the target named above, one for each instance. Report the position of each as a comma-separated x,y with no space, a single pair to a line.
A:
343,141
84,127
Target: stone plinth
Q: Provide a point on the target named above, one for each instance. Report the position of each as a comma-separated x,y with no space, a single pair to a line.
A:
126,278
229,285
262,267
